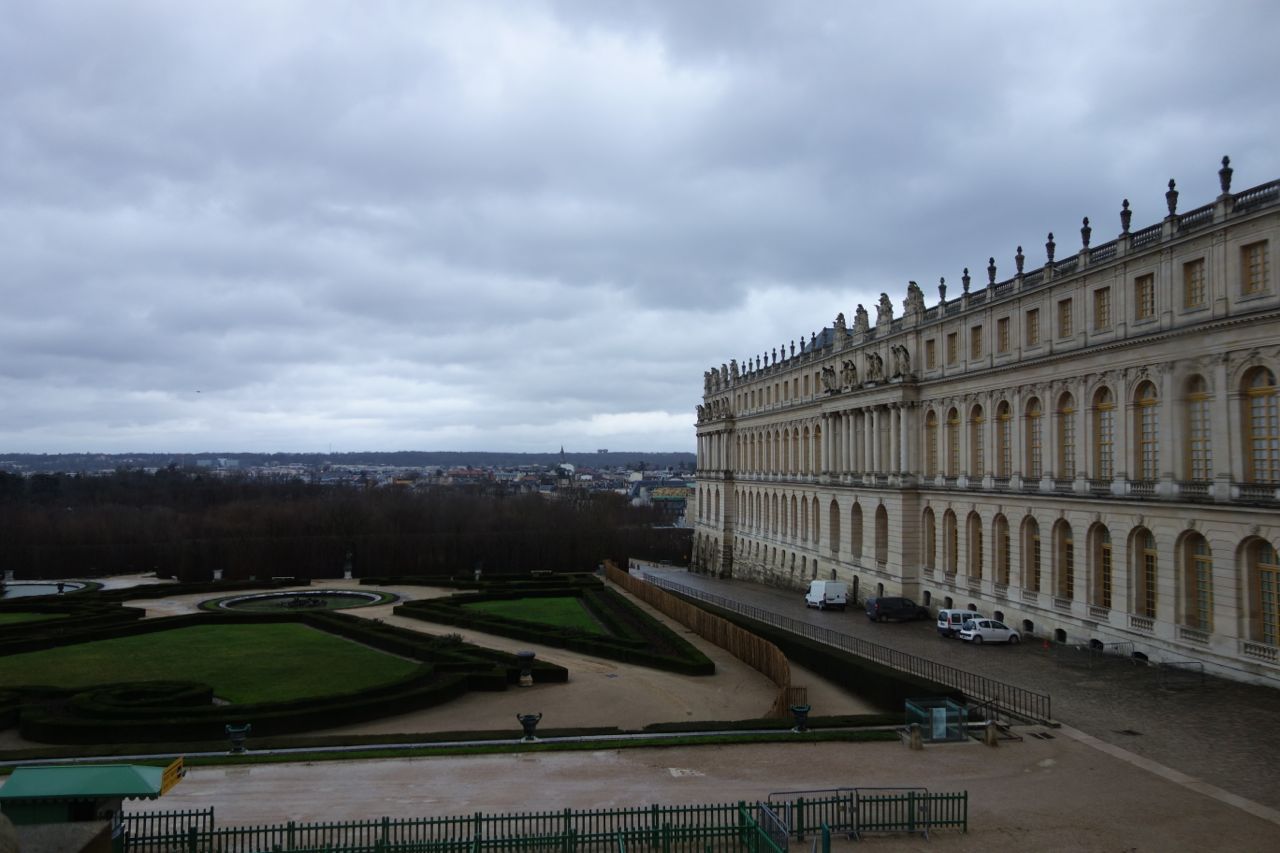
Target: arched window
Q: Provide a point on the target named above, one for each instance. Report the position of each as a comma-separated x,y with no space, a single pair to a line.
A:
1199,449
804,453
1034,440
793,464
817,450
973,531
1146,567
931,444
1100,557
1030,554
815,515
977,442
1104,434
1066,418
1064,552
930,543
833,526
800,523
1264,585
1000,543
1197,579
1262,425
953,442
950,543
882,535
1004,440
1146,432
855,531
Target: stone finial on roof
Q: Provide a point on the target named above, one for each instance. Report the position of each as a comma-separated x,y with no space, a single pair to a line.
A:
1049,246
1171,198
1019,259
965,279
1224,175
1126,216
1085,232
991,270
942,289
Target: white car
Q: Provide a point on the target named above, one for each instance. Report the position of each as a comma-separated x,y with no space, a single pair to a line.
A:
988,630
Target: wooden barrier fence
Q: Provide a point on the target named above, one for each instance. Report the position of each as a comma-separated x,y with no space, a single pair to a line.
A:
756,652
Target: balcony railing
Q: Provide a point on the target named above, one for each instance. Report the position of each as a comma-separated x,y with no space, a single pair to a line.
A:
1142,488
1193,489
1259,651
1030,596
1060,603
1001,590
1141,623
1099,612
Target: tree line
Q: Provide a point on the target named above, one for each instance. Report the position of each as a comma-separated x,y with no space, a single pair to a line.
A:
185,524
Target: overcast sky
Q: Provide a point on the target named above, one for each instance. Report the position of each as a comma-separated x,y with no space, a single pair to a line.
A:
303,226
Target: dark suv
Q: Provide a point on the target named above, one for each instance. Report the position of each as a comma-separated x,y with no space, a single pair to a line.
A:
879,609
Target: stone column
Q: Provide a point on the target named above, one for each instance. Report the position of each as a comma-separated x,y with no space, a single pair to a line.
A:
895,439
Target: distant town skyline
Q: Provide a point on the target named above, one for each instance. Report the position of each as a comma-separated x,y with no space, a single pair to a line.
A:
302,227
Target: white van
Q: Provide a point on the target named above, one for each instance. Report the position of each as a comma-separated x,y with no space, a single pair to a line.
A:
951,621
824,594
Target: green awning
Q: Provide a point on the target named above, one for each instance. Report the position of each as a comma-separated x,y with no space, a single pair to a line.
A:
83,782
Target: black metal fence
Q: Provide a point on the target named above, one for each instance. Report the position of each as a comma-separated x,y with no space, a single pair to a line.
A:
1006,698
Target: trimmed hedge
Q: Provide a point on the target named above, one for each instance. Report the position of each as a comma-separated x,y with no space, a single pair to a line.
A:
634,637
167,711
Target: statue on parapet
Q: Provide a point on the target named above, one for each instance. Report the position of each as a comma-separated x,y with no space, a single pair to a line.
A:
860,323
914,303
884,310
829,382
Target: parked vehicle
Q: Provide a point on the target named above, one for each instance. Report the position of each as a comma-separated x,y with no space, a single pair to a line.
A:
950,620
988,631
825,594
894,608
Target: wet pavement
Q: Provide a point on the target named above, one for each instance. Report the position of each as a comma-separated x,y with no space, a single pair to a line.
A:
1224,732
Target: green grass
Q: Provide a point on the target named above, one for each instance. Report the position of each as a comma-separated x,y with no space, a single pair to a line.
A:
243,663
17,618
561,611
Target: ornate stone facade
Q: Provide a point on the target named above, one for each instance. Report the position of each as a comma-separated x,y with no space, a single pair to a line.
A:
1089,450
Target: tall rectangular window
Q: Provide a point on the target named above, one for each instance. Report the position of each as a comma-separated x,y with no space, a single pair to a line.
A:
975,342
1033,327
1193,289
1254,266
953,348
1104,565
1104,425
1035,563
1102,308
1034,470
1144,297
1002,335
1065,327
931,353
1198,430
1147,605
1202,567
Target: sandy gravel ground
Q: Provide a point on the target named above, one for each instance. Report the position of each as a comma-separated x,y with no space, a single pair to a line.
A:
1054,795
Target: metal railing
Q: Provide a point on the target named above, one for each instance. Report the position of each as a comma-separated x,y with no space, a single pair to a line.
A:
1005,697
668,828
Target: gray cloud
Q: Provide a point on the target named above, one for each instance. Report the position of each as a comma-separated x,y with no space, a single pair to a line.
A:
516,226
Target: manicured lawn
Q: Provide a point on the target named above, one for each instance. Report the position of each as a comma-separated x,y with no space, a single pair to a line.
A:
15,618
244,663
563,612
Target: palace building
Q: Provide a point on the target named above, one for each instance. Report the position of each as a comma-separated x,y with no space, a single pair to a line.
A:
1089,451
